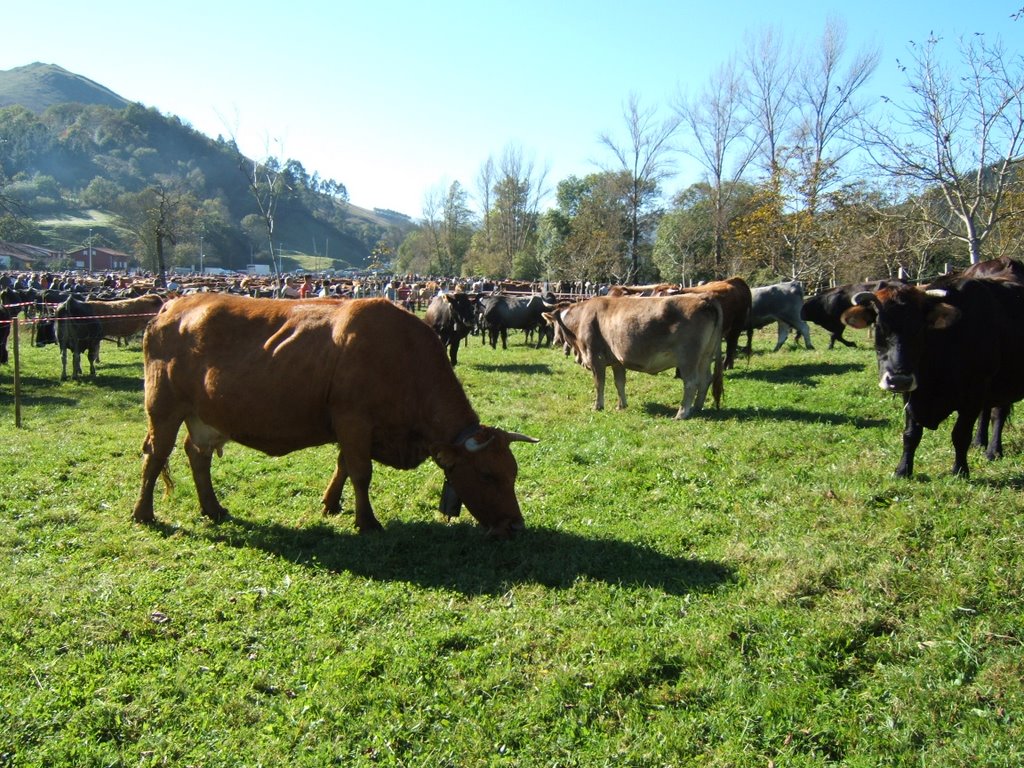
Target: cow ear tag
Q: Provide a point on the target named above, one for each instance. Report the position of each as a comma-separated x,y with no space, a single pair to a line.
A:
450,505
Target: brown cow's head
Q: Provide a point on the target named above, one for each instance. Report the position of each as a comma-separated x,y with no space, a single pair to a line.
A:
482,472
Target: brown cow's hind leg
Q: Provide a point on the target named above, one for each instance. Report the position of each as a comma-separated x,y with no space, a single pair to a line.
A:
156,449
332,496
200,459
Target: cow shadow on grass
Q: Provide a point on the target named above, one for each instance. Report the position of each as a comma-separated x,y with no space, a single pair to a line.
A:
806,374
35,390
462,558
530,368
749,413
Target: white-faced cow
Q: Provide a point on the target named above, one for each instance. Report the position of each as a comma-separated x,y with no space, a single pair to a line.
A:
781,303
957,347
647,335
279,376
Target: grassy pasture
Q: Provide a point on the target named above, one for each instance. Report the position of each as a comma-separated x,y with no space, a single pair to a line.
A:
747,588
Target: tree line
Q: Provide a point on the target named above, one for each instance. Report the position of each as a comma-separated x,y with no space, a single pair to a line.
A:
802,178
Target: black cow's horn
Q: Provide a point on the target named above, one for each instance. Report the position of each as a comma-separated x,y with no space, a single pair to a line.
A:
863,298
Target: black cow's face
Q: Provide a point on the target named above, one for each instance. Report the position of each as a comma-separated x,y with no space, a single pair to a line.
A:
902,317
463,311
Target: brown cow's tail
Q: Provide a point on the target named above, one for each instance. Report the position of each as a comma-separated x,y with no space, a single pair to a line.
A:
717,382
165,473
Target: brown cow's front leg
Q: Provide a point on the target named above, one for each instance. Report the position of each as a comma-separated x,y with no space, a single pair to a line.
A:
199,459
598,370
619,374
332,496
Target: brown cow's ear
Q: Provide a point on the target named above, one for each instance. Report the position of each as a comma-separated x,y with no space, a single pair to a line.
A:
446,457
942,315
859,317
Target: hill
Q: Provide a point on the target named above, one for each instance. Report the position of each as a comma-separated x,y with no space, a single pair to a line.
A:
38,86
73,148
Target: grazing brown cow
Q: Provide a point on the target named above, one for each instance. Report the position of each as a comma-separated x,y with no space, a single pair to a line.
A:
278,376
648,335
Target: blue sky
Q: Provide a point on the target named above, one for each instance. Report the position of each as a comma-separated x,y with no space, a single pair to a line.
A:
394,99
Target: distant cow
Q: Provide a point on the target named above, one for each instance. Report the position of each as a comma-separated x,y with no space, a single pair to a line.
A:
500,312
279,376
452,316
782,303
736,299
77,331
80,326
6,318
826,308
955,348
647,335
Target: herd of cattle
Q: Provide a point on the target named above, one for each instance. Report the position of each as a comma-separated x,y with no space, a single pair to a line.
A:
211,359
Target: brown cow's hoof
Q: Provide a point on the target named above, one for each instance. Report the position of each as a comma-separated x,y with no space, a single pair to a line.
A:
219,515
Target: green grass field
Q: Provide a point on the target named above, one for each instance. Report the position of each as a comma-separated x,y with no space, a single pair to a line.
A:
747,588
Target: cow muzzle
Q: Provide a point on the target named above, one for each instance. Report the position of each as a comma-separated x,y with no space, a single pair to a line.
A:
897,382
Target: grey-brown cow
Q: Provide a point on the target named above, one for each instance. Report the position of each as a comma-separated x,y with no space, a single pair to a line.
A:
648,335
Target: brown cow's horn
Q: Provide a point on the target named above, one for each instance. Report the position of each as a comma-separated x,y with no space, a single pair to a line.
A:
519,437
473,446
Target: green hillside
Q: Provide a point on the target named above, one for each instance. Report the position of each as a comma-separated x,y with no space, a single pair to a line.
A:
39,86
78,161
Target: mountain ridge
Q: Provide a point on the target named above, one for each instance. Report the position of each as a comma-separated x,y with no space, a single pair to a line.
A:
38,86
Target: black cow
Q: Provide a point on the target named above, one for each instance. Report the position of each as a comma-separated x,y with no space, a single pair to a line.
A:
955,347
77,330
1003,268
6,318
782,303
452,316
501,312
826,309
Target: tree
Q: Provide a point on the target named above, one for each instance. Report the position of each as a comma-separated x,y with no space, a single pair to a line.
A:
589,228
770,75
448,220
157,216
828,108
645,156
720,125
509,223
961,133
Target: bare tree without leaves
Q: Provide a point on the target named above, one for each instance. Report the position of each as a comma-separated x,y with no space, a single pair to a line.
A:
961,133
771,72
720,125
266,184
827,100
647,157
